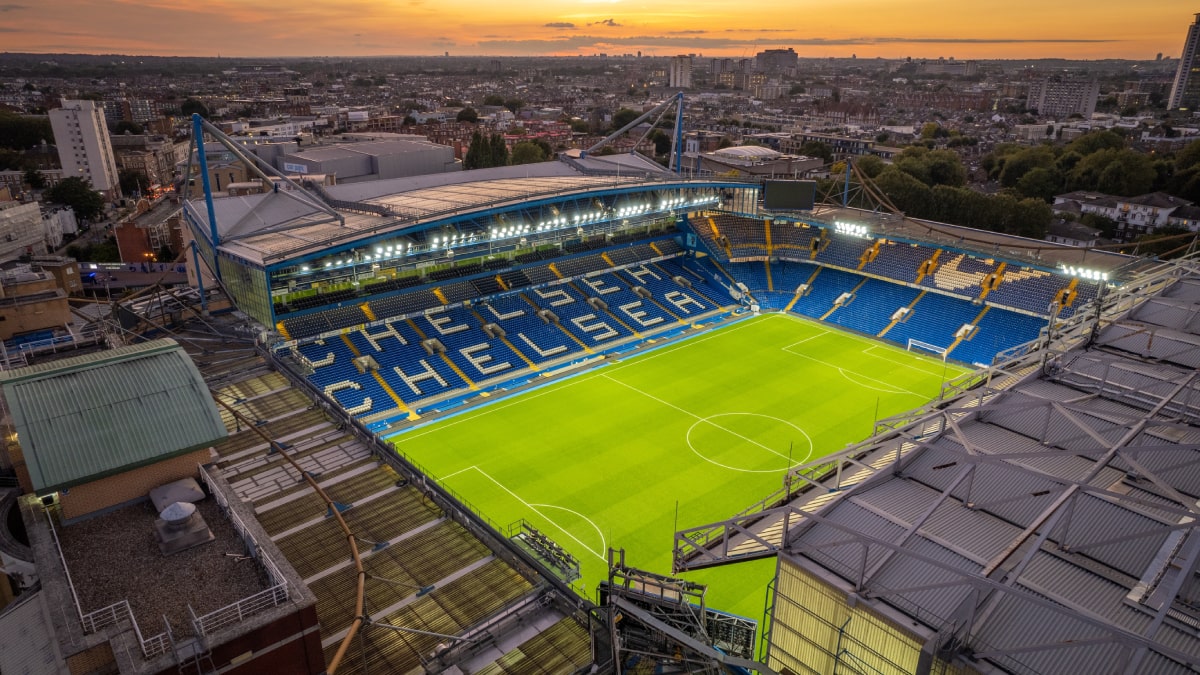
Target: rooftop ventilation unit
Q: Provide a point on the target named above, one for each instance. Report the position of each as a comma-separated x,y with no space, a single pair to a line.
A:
180,527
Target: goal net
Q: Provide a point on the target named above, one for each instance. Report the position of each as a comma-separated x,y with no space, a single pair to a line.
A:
918,346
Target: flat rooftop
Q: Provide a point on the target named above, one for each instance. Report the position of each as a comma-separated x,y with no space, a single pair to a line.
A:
115,557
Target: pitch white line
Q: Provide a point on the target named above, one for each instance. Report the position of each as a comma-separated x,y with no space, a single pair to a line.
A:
603,540
867,386
452,475
814,337
694,415
843,371
553,387
793,462
716,333
548,519
868,352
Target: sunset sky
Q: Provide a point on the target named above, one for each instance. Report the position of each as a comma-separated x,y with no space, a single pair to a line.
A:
1088,29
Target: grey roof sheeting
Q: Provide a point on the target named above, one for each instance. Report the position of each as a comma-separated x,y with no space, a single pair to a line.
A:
86,417
1047,516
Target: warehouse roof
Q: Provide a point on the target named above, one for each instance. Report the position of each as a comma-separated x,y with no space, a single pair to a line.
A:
86,417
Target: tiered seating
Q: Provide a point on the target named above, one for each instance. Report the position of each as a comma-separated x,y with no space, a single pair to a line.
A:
998,330
679,300
590,325
873,306
753,274
1032,290
829,284
458,291
572,267
843,251
791,240
934,319
335,374
898,260
959,273
789,275
515,279
540,274
629,308
536,339
476,355
486,285
747,236
398,305
667,246
631,254
699,280
410,371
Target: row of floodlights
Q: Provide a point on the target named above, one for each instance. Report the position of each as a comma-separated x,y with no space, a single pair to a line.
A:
852,229
1084,273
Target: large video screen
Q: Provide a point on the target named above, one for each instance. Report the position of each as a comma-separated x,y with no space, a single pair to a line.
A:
789,195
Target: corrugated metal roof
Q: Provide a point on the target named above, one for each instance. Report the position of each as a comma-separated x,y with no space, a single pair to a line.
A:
86,417
27,643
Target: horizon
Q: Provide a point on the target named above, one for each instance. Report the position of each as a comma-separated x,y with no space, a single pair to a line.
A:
866,29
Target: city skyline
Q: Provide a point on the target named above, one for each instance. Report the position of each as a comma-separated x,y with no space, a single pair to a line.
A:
863,28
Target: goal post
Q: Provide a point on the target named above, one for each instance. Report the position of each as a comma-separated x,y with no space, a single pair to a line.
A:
918,346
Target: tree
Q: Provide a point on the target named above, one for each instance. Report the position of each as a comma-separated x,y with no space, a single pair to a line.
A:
78,194
624,116
514,105
498,151
662,142
467,115
870,165
1157,243
527,152
125,125
1096,140
908,193
1022,162
34,179
475,158
1118,172
493,99
191,105
19,132
1040,183
133,182
817,149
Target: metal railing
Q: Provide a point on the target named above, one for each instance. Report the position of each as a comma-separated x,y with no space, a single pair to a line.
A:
106,617
236,612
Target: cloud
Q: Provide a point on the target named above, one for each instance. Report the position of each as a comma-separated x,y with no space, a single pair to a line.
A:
611,23
565,25
12,7
686,32
576,42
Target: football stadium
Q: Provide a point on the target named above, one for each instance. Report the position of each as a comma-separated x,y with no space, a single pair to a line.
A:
593,416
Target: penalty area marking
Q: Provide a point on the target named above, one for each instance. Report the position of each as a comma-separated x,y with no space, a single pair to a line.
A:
868,351
534,508
844,374
708,420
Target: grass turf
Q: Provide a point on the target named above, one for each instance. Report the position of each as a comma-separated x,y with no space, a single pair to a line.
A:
706,426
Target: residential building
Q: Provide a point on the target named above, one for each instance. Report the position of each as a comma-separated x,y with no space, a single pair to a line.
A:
1061,97
152,156
776,61
1185,92
680,72
1134,216
84,147
21,230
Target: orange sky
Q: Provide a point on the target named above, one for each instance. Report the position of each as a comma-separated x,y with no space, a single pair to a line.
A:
868,28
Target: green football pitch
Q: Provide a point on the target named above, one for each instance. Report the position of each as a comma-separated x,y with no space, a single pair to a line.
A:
703,428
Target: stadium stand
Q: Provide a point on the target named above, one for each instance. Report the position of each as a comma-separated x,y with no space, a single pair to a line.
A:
934,319
873,306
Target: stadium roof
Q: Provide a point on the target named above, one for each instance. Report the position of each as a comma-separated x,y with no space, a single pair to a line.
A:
1043,520
86,417
285,224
